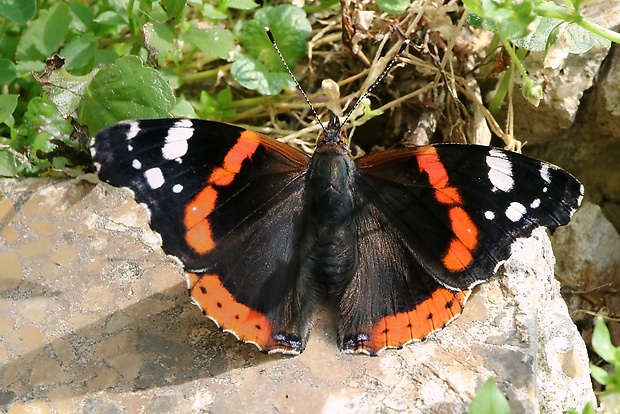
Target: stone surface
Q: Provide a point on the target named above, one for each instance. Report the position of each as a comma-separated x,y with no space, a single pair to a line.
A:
95,318
589,263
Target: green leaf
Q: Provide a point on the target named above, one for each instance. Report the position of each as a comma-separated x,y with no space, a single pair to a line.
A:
8,163
215,43
19,11
110,18
241,4
66,90
8,103
46,34
489,400
174,8
8,70
41,125
393,6
160,40
474,7
254,75
511,18
183,109
125,90
212,13
538,39
599,374
79,52
261,69
290,28
601,343
84,14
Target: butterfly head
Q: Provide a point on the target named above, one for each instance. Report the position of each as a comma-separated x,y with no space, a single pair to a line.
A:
332,134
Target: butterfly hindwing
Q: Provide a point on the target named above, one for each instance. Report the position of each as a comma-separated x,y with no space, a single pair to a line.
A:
229,204
411,303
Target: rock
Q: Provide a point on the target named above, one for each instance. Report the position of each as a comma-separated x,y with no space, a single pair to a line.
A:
147,347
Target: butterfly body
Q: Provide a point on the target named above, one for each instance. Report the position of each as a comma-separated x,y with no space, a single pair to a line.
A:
396,239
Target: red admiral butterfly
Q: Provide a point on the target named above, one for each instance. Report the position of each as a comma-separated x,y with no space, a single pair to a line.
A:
396,238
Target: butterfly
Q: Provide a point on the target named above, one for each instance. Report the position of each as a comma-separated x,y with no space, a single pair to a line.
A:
395,239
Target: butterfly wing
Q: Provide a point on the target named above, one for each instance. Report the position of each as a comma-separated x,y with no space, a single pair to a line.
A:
228,203
445,217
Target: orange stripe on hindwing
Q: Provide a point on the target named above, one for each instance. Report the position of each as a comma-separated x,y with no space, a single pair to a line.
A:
434,313
459,254
220,305
199,235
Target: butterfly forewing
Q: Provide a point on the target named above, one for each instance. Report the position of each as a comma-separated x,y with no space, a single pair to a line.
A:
228,203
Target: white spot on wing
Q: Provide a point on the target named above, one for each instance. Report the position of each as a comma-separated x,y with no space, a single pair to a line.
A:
154,177
134,129
489,215
500,171
136,164
176,144
177,188
544,173
535,203
515,211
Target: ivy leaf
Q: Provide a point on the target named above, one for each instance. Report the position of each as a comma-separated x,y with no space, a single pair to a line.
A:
43,124
159,40
125,90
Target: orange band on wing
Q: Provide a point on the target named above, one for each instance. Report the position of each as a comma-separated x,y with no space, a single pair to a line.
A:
459,254
198,229
218,303
428,161
199,234
243,149
394,331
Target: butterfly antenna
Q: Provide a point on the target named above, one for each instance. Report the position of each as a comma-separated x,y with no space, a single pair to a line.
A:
383,75
273,42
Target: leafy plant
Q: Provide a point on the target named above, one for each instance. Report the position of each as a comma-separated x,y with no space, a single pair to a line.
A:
91,60
601,343
489,400
105,60
536,25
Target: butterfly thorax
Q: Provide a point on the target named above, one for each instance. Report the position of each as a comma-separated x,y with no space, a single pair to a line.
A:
330,218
